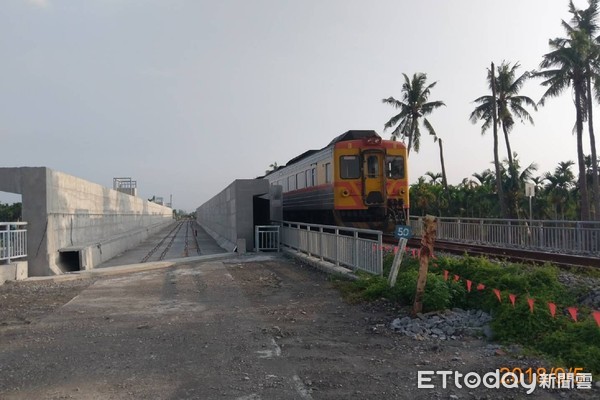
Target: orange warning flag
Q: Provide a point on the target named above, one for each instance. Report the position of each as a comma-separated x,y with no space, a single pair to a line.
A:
469,283
512,298
596,315
456,278
573,312
530,302
552,308
446,272
481,286
498,295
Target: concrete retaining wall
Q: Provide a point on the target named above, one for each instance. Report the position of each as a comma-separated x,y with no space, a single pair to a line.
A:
229,215
68,213
15,271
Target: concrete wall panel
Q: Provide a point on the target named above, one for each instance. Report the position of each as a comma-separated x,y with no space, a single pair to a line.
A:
229,215
64,211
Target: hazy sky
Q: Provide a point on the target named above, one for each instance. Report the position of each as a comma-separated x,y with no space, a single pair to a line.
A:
185,96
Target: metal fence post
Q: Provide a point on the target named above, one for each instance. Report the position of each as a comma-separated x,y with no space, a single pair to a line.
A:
380,253
321,242
308,240
355,257
337,245
8,243
481,230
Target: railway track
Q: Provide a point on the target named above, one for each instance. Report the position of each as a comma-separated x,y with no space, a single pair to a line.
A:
175,244
509,254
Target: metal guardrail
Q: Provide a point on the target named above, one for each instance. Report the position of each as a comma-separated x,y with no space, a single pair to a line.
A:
569,237
13,240
266,238
354,248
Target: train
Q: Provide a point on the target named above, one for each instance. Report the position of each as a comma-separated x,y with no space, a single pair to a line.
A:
358,180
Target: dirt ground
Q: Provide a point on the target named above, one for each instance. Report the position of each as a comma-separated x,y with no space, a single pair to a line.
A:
243,328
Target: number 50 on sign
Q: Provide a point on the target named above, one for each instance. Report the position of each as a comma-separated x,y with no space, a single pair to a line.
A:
403,231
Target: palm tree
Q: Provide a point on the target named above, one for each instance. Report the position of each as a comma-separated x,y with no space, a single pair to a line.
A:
485,177
585,21
491,117
422,197
434,176
272,167
509,105
438,139
559,186
413,106
565,66
515,188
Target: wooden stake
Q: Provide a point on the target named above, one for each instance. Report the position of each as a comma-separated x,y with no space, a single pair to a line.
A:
427,241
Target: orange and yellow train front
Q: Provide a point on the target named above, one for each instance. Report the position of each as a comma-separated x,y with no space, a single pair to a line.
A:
371,183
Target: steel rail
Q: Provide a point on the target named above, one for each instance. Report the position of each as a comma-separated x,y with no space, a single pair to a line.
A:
151,252
508,254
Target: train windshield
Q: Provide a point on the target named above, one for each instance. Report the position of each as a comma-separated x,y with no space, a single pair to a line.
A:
349,167
395,167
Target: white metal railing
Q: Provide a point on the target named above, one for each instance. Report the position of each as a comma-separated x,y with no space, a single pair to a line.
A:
355,248
266,238
13,240
570,237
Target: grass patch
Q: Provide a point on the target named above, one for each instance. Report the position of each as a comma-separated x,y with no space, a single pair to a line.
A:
568,343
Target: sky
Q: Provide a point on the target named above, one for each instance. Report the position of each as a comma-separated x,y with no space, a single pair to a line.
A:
185,96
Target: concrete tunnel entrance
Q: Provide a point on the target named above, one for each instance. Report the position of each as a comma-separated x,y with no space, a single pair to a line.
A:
261,211
69,260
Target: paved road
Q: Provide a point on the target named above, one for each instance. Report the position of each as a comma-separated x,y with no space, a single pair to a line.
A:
149,335
246,328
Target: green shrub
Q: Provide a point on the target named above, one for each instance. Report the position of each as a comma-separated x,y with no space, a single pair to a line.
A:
572,344
575,344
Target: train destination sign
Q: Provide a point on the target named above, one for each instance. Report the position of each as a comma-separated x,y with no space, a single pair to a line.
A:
403,231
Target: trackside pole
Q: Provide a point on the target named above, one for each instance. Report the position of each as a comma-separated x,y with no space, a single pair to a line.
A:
427,241
397,261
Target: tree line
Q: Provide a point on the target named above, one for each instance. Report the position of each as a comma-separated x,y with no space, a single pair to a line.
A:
573,62
10,212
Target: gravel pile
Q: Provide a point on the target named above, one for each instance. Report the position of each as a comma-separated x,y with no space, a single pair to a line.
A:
445,325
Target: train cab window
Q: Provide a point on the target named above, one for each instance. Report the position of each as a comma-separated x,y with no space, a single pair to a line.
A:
395,167
372,166
349,167
328,173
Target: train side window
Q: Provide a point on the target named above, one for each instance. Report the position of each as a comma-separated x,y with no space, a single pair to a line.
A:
292,182
395,167
314,176
349,167
308,177
328,173
372,166
301,180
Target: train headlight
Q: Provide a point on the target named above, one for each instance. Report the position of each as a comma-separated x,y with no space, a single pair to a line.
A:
345,193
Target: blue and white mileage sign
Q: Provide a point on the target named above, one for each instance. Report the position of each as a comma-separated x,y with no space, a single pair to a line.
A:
403,231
